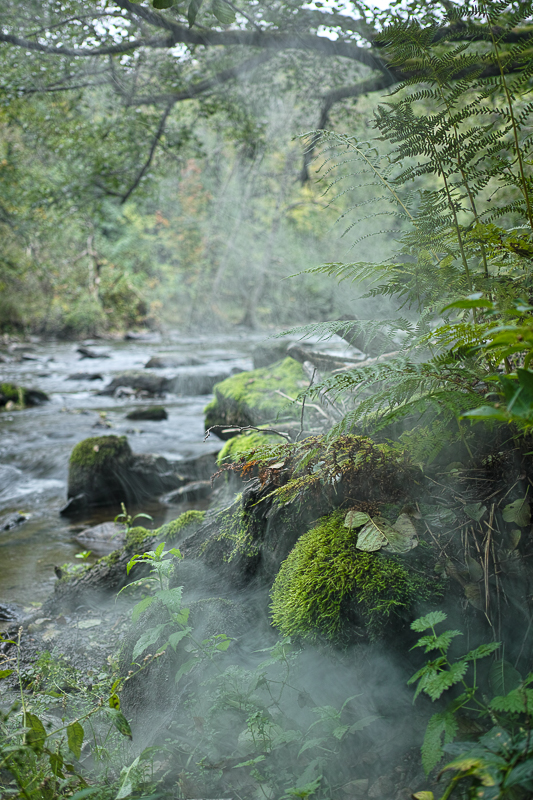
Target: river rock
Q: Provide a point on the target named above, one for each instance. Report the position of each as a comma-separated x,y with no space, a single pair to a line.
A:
12,521
10,392
104,471
85,376
268,353
85,352
198,490
136,379
103,538
195,383
165,361
155,413
256,397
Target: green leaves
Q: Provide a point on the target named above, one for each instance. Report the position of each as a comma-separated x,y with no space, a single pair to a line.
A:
148,638
75,734
192,11
35,735
518,512
441,730
120,722
160,4
429,621
503,677
223,12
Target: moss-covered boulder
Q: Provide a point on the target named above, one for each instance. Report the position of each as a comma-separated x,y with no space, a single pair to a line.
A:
257,397
20,396
104,471
238,447
328,587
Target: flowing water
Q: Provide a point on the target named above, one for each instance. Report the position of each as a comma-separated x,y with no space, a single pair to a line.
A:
35,443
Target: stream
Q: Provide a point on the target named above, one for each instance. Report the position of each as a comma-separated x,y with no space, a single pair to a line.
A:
35,443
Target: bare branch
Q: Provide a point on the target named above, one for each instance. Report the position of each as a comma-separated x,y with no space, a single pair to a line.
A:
158,135
206,85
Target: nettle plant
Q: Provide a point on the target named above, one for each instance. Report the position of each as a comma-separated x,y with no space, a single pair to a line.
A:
500,763
175,625
455,176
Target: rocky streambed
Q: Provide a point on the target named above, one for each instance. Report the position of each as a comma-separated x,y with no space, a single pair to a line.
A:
281,629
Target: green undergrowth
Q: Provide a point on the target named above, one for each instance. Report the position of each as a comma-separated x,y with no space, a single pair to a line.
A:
259,396
326,584
347,466
239,447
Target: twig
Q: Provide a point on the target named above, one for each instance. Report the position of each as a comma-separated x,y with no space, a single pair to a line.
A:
242,428
303,406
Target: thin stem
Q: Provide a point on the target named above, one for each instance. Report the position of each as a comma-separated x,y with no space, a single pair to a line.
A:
514,124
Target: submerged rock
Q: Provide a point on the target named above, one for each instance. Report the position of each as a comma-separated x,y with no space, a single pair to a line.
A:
164,361
155,413
12,521
104,471
103,538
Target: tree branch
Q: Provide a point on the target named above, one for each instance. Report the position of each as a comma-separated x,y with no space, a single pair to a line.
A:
155,140
206,85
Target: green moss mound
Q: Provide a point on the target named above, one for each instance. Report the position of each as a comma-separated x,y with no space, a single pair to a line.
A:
326,584
189,519
21,396
97,451
238,447
252,398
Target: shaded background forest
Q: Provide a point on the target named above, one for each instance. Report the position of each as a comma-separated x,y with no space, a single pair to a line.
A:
120,208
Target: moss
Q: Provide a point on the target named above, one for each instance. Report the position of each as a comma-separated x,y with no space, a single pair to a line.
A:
136,537
172,529
111,559
97,451
325,580
20,396
12,392
251,398
239,446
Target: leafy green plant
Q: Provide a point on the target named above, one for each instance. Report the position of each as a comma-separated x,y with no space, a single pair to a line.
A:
176,616
128,520
499,764
35,752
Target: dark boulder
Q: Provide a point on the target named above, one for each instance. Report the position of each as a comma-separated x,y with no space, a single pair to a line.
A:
21,396
198,490
136,379
85,352
104,471
155,413
85,376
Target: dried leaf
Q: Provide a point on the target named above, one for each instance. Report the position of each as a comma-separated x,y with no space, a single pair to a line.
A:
473,595
475,570
355,519
370,538
407,531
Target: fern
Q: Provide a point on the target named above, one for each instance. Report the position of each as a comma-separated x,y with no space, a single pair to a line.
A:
459,181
